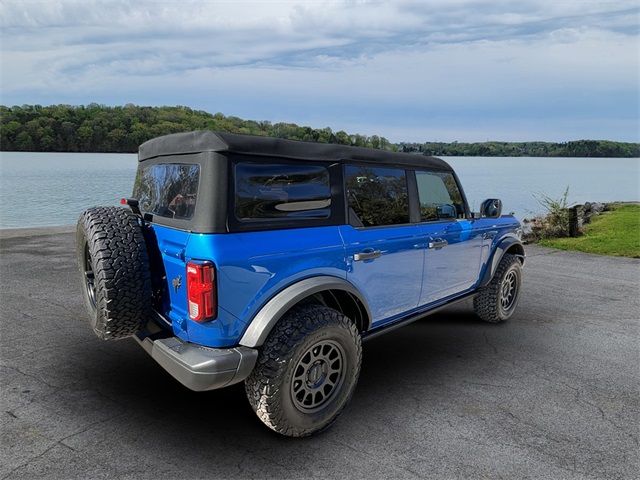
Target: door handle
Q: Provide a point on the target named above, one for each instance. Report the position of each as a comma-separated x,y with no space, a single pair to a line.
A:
438,243
367,255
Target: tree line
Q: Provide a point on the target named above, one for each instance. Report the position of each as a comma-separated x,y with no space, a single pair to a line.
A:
100,128
577,148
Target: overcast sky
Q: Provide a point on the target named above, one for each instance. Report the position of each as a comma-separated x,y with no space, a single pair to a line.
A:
408,70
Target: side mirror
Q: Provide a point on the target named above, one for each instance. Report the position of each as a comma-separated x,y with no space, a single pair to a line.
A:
446,211
491,208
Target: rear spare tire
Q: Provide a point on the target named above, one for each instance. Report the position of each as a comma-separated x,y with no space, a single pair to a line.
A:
114,267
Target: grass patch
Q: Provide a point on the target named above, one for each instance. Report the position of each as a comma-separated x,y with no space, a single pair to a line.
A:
616,232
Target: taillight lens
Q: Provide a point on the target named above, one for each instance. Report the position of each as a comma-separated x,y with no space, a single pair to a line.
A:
201,291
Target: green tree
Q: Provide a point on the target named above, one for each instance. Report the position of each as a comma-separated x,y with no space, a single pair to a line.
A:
24,142
99,128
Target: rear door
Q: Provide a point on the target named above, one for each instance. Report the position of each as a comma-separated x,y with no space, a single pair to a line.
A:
453,246
383,250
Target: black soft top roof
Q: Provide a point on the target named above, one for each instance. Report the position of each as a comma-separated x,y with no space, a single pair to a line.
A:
209,141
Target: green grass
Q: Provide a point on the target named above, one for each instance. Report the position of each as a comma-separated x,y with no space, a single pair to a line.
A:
616,232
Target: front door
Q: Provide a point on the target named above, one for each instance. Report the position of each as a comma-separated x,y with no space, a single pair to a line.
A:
383,249
453,246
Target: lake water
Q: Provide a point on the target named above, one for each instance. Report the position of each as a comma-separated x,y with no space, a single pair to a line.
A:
47,189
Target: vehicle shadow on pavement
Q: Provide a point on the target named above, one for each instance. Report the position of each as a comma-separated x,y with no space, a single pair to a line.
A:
147,395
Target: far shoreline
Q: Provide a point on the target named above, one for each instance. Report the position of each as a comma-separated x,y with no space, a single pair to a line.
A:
122,129
412,153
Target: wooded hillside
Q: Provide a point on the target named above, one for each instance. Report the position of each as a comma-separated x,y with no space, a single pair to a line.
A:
99,128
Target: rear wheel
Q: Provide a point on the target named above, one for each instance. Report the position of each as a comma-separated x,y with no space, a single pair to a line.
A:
114,271
497,301
306,372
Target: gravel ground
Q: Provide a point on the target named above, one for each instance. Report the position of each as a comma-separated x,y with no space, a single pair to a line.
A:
554,393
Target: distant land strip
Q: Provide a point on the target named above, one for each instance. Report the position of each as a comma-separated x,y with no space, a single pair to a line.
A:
100,128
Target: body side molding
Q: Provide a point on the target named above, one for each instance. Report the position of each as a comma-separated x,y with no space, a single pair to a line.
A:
274,309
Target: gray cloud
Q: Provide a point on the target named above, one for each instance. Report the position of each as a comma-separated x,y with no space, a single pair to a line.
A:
491,58
152,37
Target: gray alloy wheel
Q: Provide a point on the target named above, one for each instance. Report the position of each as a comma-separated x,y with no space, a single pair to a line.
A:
318,375
509,290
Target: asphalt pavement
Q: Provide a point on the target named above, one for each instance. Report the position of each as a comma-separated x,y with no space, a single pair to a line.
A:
553,393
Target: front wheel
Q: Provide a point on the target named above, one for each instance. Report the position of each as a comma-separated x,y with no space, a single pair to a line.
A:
306,371
497,301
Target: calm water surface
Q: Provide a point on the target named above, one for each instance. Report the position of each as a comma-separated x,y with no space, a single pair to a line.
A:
45,189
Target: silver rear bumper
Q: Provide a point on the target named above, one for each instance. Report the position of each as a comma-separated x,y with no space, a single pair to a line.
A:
201,368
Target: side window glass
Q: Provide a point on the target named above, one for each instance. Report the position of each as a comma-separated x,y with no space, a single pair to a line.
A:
377,196
439,195
167,189
281,192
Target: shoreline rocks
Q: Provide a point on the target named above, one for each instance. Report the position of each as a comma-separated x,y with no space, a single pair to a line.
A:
567,222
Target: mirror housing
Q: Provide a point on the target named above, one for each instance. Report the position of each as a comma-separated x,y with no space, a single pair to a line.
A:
491,208
446,211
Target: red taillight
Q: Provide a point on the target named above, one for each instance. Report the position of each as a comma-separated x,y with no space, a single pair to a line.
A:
201,291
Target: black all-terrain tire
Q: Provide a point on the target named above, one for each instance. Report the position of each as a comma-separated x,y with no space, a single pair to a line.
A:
270,387
488,303
112,256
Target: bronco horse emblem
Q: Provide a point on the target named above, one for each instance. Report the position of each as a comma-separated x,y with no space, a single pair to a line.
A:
177,283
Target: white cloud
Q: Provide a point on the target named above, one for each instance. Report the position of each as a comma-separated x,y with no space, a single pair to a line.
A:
332,62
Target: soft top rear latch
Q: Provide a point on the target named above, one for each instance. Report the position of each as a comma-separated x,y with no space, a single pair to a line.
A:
132,203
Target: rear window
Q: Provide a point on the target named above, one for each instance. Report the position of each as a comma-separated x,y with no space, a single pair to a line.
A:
168,189
281,191
377,196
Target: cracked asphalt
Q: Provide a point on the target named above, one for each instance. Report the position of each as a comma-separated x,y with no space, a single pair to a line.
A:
553,393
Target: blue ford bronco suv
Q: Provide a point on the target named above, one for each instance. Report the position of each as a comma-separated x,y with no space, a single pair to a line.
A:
255,259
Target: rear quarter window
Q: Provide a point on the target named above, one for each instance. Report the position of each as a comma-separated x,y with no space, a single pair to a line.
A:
273,192
168,189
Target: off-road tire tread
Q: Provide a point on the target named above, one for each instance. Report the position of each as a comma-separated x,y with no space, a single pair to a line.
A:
485,303
121,269
262,386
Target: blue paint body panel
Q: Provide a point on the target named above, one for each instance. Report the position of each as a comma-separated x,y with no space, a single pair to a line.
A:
391,283
251,267
172,245
455,267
